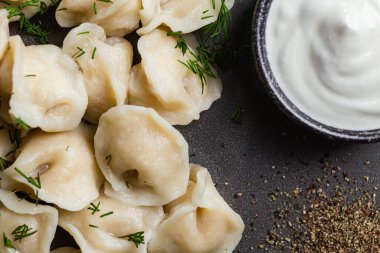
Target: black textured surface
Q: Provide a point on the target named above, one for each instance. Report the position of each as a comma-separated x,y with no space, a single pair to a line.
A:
252,157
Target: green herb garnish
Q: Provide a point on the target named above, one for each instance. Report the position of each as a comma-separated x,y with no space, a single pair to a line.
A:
136,238
94,208
109,159
106,214
21,124
93,53
22,232
7,243
33,181
79,53
4,164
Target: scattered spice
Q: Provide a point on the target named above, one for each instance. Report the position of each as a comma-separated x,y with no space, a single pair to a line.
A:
333,213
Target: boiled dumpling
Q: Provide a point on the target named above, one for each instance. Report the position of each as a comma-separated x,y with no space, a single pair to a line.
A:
4,32
66,250
161,82
65,163
198,222
142,156
117,17
105,225
106,64
16,213
29,11
180,15
41,86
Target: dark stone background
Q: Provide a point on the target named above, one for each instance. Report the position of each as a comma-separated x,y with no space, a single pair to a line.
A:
253,157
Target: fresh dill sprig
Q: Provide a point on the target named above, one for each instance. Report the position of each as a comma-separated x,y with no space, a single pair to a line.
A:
33,181
82,33
7,243
200,67
15,137
136,238
30,27
95,6
44,7
14,11
20,124
94,208
93,53
106,214
79,53
181,43
219,28
4,164
22,232
34,29
236,116
109,159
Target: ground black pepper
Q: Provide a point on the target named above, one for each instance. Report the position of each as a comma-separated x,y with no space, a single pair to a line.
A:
330,214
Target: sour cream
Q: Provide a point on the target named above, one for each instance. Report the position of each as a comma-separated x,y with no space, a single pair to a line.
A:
325,55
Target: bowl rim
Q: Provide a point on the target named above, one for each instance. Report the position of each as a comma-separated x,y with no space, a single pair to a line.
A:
258,42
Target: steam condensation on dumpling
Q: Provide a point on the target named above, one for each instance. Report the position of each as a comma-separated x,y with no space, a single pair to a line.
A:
144,159
163,83
105,64
41,86
199,221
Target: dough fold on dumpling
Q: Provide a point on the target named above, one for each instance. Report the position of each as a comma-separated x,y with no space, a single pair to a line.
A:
163,83
15,212
29,11
106,64
199,221
117,17
42,86
4,32
180,15
65,250
65,163
144,159
107,230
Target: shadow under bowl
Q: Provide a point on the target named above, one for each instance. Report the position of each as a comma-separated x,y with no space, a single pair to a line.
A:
277,94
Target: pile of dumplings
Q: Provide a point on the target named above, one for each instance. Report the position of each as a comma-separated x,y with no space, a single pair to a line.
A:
88,139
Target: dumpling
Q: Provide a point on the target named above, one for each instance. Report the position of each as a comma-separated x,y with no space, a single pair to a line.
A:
18,216
161,82
41,86
4,32
109,225
180,15
117,17
68,173
198,222
142,156
105,63
66,250
29,11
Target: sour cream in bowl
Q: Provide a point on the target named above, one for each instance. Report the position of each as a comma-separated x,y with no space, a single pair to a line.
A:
321,62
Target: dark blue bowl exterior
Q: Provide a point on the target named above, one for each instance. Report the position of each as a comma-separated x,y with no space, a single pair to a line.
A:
266,75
